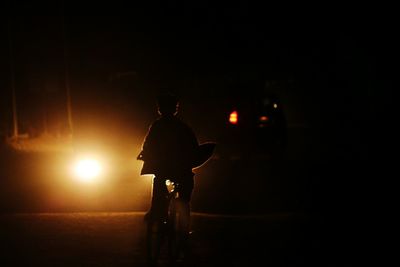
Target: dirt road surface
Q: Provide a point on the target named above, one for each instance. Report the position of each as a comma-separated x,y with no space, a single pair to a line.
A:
117,239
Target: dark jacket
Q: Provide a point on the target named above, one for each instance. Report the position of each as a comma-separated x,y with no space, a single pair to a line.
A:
169,148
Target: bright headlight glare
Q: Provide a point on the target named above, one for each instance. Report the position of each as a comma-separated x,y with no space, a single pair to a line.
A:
87,169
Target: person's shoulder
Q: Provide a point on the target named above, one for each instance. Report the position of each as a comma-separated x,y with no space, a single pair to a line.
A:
164,122
186,128
174,121
155,124
182,123
157,121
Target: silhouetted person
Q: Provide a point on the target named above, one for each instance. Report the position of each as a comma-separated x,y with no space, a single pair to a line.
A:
168,152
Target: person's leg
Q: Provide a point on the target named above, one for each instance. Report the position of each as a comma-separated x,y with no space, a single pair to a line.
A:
155,218
155,238
159,200
184,214
184,222
183,227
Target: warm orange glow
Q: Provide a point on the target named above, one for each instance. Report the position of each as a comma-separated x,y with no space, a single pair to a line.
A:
87,170
170,185
233,117
264,118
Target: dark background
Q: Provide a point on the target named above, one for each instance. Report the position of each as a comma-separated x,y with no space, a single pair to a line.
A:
338,58
336,62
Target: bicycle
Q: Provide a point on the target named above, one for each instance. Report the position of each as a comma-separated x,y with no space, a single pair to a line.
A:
173,221
171,226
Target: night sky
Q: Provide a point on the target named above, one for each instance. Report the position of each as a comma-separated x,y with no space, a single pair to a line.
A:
335,61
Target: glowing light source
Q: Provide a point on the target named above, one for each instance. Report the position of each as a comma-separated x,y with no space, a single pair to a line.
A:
233,117
275,105
170,185
87,170
264,118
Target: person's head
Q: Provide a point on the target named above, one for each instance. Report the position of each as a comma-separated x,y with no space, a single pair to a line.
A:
167,104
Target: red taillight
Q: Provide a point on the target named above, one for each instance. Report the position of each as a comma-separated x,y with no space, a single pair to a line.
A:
233,117
264,119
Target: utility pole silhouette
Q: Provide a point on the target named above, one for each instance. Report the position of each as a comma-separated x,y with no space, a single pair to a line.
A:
66,71
12,79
